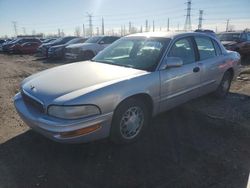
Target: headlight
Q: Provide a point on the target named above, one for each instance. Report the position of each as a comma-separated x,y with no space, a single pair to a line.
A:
73,112
57,49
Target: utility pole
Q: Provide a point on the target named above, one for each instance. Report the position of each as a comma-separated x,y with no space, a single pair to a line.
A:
97,31
227,25
146,26
15,27
90,24
168,24
24,30
83,31
129,27
141,29
103,26
124,30
59,33
153,26
200,19
187,26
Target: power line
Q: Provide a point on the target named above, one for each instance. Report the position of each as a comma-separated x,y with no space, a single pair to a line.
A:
90,24
15,27
187,26
200,19
168,24
227,25
103,26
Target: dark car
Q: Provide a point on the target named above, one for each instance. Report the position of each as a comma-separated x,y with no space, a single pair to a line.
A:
13,46
43,49
2,41
29,47
236,41
49,40
58,51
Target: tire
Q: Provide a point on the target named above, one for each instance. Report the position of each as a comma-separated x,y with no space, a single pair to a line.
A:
129,120
223,88
87,55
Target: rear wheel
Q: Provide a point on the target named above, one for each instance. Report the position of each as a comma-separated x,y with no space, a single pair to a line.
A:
224,86
129,120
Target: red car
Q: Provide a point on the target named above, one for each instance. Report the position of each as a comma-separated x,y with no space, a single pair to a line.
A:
25,48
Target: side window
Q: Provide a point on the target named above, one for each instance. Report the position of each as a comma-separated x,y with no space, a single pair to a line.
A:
183,49
108,40
244,36
205,47
248,36
113,39
217,48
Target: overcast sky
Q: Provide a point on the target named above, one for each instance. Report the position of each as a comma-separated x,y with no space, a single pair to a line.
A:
47,16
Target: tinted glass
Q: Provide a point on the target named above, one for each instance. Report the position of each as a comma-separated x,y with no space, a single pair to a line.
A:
93,39
109,40
248,36
183,49
244,36
205,47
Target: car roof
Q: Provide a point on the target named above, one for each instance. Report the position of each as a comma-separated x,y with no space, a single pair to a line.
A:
170,34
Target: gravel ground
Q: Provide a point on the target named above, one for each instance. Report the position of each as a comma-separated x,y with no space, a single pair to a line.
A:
203,143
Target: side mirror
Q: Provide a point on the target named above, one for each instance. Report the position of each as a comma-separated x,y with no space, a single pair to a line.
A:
170,62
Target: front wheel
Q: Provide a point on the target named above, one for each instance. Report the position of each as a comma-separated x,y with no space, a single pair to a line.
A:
224,86
87,55
129,120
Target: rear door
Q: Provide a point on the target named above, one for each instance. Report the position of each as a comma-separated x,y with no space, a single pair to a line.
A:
210,60
180,84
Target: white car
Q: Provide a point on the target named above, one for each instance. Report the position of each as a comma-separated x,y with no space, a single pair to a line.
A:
88,49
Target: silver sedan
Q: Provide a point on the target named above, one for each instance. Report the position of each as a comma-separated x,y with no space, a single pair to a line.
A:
117,92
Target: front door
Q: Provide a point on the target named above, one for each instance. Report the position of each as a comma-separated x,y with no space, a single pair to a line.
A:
179,84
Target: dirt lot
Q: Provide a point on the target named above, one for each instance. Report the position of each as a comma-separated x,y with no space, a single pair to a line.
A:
203,143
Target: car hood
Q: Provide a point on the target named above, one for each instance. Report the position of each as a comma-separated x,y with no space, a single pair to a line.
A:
59,46
228,43
87,76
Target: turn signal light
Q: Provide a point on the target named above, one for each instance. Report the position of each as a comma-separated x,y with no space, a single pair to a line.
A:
80,132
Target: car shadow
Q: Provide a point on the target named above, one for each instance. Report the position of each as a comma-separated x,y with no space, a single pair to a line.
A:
180,148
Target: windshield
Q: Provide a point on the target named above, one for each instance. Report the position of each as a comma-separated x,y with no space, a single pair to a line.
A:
73,41
229,36
57,41
136,52
93,39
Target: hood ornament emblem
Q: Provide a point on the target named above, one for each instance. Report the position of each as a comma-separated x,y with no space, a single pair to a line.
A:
32,87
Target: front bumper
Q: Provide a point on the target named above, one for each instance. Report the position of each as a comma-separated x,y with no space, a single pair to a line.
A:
53,128
71,56
55,54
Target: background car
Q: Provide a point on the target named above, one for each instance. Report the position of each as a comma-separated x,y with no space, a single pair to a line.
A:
48,40
14,46
58,51
43,49
89,48
29,47
236,41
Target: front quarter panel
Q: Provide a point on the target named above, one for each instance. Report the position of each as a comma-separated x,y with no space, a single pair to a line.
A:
109,97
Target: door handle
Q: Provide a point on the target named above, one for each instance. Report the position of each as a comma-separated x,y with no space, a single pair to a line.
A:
196,69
